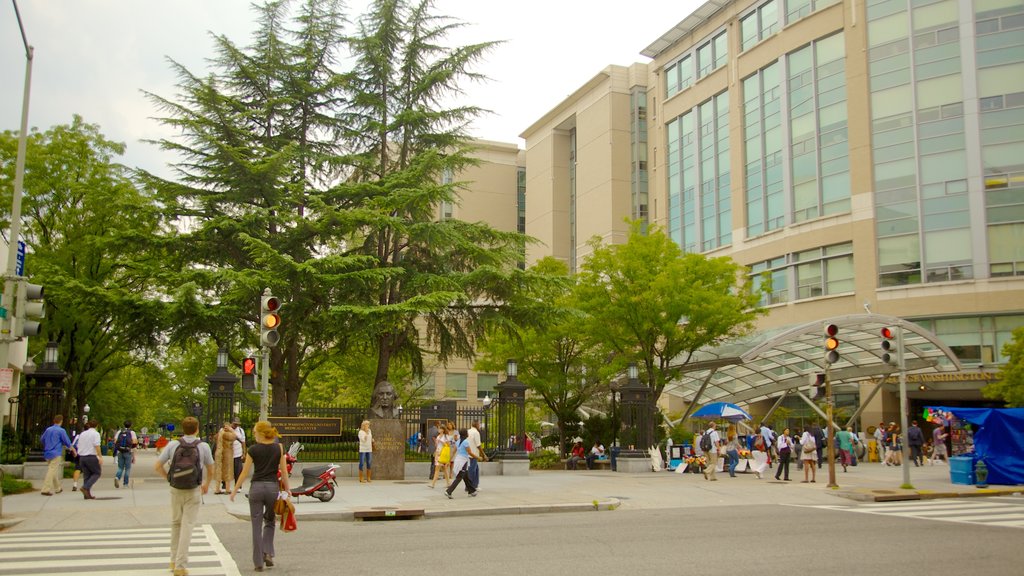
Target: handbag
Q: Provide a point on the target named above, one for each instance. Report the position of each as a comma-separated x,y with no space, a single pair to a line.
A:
446,454
808,448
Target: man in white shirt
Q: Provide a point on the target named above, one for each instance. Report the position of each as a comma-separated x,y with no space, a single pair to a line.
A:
712,454
90,458
596,452
476,453
238,448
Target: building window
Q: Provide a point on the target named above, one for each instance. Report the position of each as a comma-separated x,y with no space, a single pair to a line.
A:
708,57
759,24
455,385
426,387
485,384
818,272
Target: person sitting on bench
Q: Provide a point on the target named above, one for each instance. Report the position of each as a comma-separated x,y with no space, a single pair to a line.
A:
575,457
596,453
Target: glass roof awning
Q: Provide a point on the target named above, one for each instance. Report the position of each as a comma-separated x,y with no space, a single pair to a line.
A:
769,363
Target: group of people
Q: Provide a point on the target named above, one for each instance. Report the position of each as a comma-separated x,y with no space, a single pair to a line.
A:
578,454
890,444
87,455
456,456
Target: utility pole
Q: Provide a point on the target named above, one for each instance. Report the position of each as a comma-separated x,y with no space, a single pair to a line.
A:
903,406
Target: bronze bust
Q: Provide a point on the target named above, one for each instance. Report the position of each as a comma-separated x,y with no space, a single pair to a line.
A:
383,403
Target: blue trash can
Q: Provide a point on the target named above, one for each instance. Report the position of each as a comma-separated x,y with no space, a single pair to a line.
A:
961,470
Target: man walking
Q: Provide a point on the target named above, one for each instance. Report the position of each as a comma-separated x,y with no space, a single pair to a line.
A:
476,454
880,442
939,445
124,452
55,440
187,475
90,458
238,447
712,453
819,439
915,439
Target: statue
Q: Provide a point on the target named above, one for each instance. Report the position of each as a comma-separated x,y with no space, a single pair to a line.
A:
383,403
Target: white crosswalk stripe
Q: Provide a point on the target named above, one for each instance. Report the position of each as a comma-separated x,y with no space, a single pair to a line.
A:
1008,512
135,551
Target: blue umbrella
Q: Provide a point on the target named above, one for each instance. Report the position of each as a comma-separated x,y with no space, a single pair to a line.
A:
723,410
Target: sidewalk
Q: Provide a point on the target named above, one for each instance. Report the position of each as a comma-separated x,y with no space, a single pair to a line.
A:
146,502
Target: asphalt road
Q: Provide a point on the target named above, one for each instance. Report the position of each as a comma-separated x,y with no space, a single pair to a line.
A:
732,540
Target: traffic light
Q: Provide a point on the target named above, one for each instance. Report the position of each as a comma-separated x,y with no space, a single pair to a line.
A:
831,344
270,320
889,355
248,374
29,305
818,381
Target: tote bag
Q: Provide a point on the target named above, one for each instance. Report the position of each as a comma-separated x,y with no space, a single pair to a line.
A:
446,454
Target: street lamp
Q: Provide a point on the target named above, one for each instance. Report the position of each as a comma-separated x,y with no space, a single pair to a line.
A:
220,395
487,414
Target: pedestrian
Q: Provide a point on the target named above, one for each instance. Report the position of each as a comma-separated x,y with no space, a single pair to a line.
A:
844,438
443,452
265,459
365,452
224,457
809,454
575,455
90,458
461,466
784,445
456,440
880,443
78,463
476,452
857,445
238,448
732,451
55,440
186,458
939,445
596,453
768,440
819,441
432,435
915,439
124,451
712,452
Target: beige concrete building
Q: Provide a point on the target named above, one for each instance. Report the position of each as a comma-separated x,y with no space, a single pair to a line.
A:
861,153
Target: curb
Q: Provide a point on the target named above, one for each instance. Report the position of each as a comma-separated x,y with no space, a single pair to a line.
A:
349,515
897,495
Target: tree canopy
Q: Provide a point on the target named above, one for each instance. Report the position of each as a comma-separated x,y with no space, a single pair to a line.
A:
1010,386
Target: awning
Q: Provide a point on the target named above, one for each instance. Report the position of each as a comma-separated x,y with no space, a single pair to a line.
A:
769,363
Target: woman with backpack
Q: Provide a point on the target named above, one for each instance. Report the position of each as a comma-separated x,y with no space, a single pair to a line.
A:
266,460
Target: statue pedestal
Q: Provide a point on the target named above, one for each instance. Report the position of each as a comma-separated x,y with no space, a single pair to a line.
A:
389,449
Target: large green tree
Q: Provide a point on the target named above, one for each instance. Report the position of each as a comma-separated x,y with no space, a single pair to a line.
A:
557,360
648,302
90,232
1010,386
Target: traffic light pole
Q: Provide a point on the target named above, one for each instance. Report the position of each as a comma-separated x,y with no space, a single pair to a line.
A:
831,429
903,407
265,384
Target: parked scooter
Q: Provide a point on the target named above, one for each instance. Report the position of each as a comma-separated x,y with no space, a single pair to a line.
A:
318,482
292,456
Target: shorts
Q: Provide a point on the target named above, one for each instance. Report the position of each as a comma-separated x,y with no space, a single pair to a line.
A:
78,466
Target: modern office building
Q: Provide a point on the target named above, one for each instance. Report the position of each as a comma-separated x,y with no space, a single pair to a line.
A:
860,153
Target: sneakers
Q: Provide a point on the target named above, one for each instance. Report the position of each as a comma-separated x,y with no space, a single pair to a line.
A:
472,493
268,560
117,483
74,487
449,495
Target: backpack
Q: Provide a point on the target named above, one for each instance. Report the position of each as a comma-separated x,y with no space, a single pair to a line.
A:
124,441
185,471
705,442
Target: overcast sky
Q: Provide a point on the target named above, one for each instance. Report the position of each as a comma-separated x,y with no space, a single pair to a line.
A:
95,57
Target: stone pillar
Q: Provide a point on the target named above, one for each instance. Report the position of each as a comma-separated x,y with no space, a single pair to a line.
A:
389,448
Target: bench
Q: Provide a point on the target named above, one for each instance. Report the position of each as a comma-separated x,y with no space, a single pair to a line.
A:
600,464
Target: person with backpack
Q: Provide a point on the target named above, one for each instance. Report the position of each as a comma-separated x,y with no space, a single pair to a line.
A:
185,459
710,443
124,452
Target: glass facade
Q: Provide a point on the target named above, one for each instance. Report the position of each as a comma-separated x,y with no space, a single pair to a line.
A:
455,385
975,339
811,273
707,57
699,199
762,132
638,153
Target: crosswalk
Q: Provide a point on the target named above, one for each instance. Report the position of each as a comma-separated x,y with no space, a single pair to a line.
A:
85,552
1007,512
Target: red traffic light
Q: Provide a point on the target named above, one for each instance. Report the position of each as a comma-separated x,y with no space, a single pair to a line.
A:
271,303
887,333
248,366
831,330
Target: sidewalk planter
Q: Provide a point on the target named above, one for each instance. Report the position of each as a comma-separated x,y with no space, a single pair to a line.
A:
961,470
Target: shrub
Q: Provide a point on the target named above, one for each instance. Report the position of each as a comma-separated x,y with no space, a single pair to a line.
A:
15,486
544,460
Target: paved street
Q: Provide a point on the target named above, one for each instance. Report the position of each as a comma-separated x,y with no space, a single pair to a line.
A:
544,522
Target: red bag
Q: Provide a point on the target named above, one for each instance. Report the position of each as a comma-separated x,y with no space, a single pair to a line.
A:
289,523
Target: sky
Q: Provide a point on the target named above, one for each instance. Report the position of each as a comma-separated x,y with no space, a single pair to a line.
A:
95,58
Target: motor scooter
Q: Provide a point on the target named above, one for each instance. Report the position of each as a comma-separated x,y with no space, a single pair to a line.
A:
292,456
318,482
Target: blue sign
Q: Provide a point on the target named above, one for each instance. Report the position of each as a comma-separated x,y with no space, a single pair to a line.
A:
19,266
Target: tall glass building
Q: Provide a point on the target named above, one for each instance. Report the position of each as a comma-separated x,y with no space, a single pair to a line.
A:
860,153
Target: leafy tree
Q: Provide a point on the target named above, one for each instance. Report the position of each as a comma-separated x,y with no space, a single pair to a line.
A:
435,282
1010,386
557,362
646,301
97,264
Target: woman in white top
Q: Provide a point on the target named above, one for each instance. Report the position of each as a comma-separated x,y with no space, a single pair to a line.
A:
442,457
365,452
809,454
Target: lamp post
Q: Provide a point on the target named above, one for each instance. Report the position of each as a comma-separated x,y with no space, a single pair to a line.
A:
614,450
634,401
43,398
487,424
220,395
511,415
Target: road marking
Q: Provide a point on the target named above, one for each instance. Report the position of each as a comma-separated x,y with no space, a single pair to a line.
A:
1005,513
142,552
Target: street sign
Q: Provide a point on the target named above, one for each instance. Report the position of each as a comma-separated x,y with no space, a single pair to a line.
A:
19,266
6,380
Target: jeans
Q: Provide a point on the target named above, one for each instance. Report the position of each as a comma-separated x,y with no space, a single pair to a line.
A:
474,474
734,460
916,454
124,464
262,496
367,459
